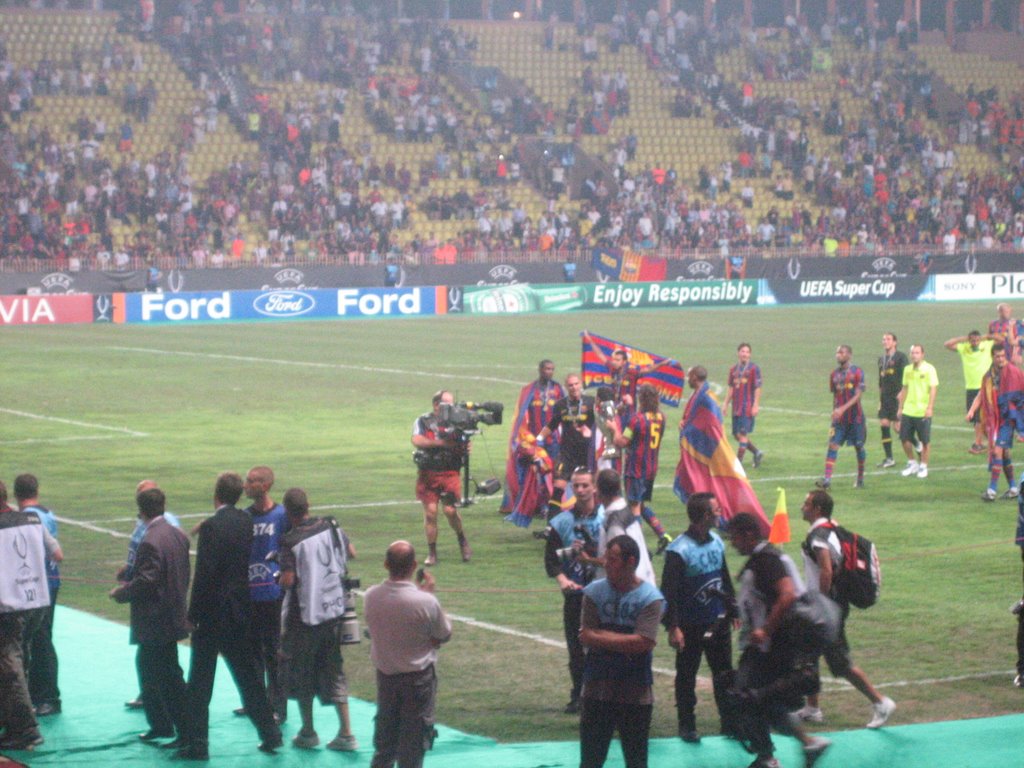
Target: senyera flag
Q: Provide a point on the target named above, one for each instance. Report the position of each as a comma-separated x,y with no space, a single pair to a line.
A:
667,379
707,462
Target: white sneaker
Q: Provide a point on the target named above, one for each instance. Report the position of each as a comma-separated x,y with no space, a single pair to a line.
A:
1012,493
911,469
342,743
883,710
989,495
922,471
810,714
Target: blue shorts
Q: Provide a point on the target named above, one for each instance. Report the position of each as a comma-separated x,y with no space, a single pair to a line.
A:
847,434
743,425
1004,436
639,489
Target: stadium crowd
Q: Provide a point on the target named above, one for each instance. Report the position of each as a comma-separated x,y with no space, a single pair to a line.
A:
886,178
892,180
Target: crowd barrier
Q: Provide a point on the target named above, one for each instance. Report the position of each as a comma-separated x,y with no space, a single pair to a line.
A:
406,274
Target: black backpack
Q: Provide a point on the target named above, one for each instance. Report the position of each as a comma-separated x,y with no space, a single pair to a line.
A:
859,578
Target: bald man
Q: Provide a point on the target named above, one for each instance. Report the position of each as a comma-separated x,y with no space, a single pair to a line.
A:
407,625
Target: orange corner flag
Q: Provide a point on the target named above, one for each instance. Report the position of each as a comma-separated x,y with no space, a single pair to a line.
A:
780,522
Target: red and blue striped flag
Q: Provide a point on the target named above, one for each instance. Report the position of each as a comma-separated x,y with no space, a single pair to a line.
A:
667,379
707,462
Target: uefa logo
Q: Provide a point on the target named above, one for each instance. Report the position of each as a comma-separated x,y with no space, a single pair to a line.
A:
700,269
503,274
58,282
884,265
289,276
283,303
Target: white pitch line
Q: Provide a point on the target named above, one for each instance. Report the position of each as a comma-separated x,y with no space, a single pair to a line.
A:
823,415
28,440
74,423
867,473
98,529
469,621
91,527
320,507
305,364
368,504
794,411
413,502
842,685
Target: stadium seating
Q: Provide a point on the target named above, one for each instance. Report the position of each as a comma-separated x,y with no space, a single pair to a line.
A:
178,137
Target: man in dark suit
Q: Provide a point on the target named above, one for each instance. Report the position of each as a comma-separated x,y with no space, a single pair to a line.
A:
157,591
220,612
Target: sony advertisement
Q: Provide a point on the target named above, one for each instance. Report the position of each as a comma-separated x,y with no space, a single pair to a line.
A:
984,285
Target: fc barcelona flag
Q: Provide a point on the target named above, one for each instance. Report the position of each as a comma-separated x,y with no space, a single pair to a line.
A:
707,462
628,266
1010,396
668,379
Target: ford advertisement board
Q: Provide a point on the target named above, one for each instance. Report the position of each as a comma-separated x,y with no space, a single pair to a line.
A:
277,304
280,304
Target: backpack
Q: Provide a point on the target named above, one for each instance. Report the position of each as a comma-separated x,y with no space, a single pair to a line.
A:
859,578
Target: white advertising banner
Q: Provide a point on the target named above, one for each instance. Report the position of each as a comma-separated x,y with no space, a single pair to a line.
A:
984,285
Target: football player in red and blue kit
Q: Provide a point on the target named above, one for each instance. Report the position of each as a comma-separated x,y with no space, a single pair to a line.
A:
642,439
744,390
847,386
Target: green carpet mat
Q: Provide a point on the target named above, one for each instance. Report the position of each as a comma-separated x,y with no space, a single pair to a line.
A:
97,675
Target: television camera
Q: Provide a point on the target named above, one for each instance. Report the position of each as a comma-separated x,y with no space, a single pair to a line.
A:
467,417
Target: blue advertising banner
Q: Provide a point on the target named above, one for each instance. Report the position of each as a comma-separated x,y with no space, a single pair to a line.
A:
392,302
202,307
284,304
280,304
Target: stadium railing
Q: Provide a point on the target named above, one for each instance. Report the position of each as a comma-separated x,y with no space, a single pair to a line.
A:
490,256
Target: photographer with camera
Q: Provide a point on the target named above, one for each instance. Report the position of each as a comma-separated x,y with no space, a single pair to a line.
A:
313,560
439,455
572,541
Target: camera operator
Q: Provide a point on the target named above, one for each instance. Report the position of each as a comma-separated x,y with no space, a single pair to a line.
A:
439,456
574,532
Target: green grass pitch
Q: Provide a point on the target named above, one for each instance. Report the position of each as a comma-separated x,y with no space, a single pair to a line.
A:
329,405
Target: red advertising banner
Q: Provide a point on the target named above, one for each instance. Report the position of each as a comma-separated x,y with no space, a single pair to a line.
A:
46,309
